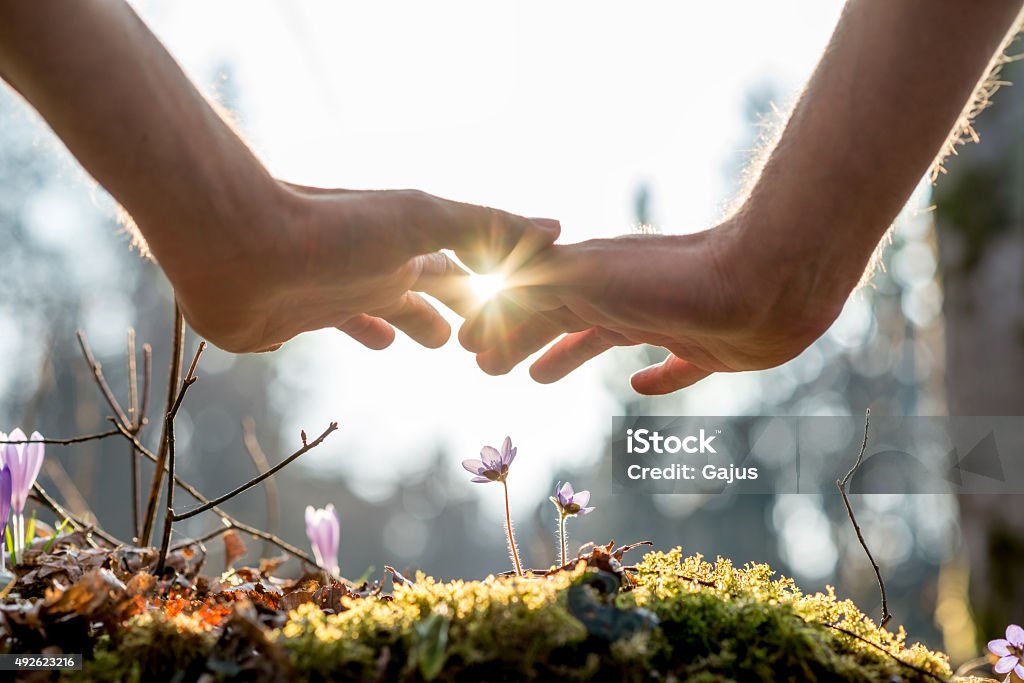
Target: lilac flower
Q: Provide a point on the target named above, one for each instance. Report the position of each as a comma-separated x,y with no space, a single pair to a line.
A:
492,465
324,531
1010,652
24,461
5,509
570,503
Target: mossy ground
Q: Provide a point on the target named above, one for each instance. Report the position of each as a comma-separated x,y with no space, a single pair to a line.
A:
716,623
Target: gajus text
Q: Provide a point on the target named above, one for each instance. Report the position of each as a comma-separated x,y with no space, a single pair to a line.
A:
647,441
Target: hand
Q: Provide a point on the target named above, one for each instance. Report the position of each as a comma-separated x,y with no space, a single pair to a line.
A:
311,258
716,300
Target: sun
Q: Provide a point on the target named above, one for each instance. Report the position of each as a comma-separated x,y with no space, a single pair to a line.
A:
486,286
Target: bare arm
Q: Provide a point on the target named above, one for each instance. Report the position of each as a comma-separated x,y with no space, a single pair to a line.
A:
756,290
253,261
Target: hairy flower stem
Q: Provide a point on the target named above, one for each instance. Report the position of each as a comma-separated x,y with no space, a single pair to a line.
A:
513,549
563,541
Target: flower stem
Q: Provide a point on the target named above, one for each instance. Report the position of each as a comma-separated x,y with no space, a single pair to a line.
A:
563,541
513,549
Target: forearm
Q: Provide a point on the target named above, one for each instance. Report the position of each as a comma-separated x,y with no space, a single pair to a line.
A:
883,100
125,109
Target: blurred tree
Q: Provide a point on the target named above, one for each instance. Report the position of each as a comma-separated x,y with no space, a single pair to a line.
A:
979,213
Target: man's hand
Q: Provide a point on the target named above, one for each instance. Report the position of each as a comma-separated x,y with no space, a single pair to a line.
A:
347,259
708,298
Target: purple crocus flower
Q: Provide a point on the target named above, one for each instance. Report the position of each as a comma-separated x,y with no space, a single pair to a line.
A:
5,506
24,461
324,532
1010,652
492,465
570,503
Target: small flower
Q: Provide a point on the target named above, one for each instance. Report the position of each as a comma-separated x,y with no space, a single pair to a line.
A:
324,531
570,503
492,465
1010,652
24,461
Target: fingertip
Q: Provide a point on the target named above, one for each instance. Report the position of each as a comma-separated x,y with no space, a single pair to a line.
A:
540,376
550,225
492,364
439,338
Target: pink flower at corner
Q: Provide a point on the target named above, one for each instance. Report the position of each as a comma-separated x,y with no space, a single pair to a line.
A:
492,465
1010,652
324,535
24,460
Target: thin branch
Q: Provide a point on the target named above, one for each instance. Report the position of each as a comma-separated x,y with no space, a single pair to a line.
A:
77,524
219,531
189,380
913,667
161,462
133,415
147,377
97,374
841,485
259,459
67,442
256,480
225,517
68,489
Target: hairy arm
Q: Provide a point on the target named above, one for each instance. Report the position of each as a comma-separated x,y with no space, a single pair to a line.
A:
126,110
889,89
253,261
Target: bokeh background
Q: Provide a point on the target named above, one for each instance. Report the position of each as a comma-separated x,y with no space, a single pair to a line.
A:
604,116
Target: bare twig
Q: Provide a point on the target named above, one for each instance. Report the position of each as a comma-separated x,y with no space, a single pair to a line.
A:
101,381
153,498
189,380
67,442
256,480
147,376
841,485
133,416
259,459
219,531
77,524
68,490
200,498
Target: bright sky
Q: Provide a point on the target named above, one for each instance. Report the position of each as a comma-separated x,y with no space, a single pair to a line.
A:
540,108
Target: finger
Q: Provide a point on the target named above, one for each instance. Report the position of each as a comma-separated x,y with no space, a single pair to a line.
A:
670,375
369,331
524,340
572,351
446,281
483,238
528,338
270,349
492,322
418,319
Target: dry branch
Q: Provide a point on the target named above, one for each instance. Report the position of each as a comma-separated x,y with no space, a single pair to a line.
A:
841,485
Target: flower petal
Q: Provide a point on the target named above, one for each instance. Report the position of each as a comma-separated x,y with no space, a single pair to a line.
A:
491,457
1015,634
581,498
1019,670
586,511
1000,647
480,480
1005,664
473,466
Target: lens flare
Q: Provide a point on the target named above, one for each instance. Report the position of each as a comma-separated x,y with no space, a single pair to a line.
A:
486,286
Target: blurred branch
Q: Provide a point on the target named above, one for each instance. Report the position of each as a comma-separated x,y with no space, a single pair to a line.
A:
133,416
68,489
169,520
913,667
177,349
841,484
259,459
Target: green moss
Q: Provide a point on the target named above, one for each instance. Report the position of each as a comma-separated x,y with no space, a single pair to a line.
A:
716,623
